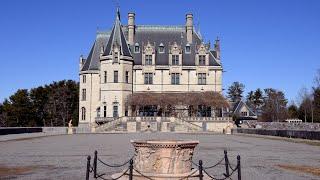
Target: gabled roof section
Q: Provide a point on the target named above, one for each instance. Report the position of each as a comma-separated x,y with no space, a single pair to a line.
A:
238,105
117,38
93,60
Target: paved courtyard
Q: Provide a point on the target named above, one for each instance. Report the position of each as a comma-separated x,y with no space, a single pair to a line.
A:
64,156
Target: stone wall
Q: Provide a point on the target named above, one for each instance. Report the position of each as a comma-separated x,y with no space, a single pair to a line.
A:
281,125
303,134
19,130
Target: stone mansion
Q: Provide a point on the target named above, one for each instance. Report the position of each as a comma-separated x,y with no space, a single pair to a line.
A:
132,60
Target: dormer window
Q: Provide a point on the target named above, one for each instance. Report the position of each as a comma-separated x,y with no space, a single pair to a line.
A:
188,49
175,60
136,48
161,48
148,60
202,60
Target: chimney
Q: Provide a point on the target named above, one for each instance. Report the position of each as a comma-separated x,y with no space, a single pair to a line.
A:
189,27
131,27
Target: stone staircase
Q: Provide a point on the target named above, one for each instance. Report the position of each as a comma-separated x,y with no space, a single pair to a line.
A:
109,126
188,125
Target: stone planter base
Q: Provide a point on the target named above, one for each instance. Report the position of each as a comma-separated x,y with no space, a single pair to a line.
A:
193,175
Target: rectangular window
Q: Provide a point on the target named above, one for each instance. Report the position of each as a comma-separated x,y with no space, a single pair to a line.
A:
105,77
148,59
115,76
84,94
148,78
127,76
115,111
84,79
202,60
104,111
175,59
175,78
244,114
202,78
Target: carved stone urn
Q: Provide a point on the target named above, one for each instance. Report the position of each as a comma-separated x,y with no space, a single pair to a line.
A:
164,159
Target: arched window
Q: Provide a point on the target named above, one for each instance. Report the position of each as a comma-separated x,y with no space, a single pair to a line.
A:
83,113
136,48
161,48
188,48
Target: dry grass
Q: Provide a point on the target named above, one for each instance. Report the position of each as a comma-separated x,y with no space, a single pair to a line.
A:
6,171
298,168
10,171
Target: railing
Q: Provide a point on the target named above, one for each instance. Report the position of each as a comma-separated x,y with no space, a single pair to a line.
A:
201,172
155,118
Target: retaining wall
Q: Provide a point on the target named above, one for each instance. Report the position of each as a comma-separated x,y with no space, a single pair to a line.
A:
19,130
303,134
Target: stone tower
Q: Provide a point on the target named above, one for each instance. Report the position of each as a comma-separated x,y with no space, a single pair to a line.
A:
116,65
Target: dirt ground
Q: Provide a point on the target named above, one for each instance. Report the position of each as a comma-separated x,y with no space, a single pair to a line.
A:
64,156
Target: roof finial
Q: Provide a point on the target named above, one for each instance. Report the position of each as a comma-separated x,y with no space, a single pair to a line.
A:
118,12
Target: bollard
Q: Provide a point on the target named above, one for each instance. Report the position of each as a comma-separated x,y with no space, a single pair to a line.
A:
88,167
95,164
239,167
226,163
200,170
131,169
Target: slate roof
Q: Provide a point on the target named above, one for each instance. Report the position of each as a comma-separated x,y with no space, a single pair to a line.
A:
93,62
155,34
236,107
117,38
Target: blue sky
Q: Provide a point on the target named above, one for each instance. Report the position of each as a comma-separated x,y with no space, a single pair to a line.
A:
271,43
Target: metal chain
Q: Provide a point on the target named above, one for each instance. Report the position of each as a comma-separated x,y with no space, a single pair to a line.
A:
209,167
114,165
143,174
188,175
100,176
213,178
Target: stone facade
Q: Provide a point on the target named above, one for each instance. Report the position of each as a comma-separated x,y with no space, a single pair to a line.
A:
144,58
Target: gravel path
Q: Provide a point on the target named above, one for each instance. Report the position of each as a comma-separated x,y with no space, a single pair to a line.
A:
64,156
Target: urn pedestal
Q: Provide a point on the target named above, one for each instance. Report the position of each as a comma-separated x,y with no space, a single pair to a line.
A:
159,160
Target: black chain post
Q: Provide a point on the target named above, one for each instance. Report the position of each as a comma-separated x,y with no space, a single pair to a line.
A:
88,167
226,160
131,169
239,167
200,170
95,159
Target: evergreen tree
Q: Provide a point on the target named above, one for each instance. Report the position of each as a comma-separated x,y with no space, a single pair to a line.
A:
50,105
235,91
19,109
293,112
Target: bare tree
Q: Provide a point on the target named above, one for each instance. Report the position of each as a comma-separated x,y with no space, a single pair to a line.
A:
305,100
317,79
